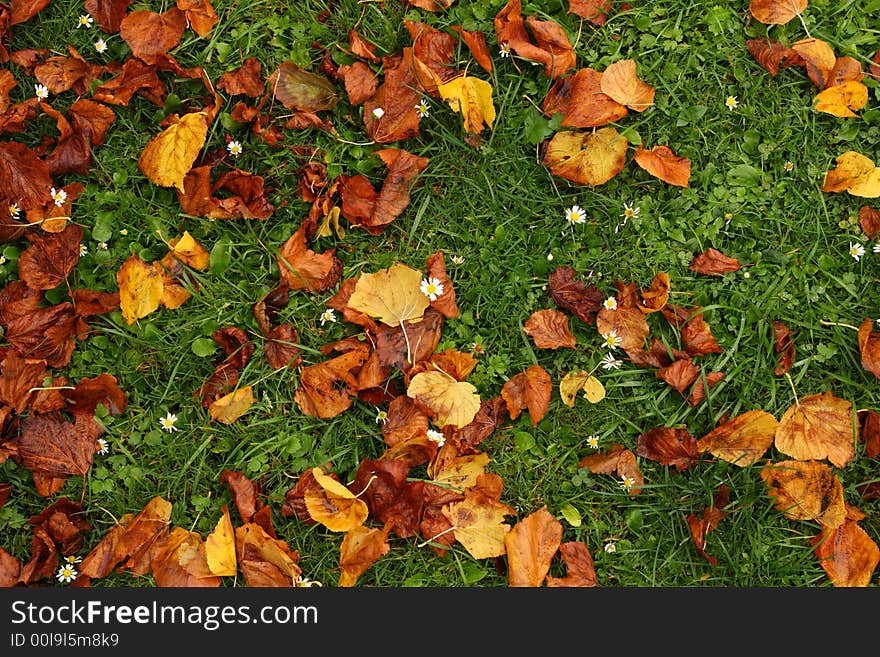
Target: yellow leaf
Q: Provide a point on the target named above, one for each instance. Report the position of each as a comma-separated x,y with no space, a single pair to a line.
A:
334,506
140,288
841,99
450,401
462,472
594,391
220,547
331,224
393,295
479,523
587,158
621,83
853,170
169,156
868,186
190,252
472,98
232,406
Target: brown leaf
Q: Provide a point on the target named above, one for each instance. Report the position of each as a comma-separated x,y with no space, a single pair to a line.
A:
548,43
391,115
360,47
282,347
302,90
476,43
50,444
869,347
776,12
89,392
445,302
806,490
48,333
361,548
363,207
360,82
700,527
575,296
581,101
673,446
325,389
60,73
579,565
303,269
200,15
24,10
869,220
50,258
627,324
10,568
108,14
714,263
150,34
619,460
265,561
818,57
18,379
136,77
817,427
742,440
178,560
662,163
679,374
697,336
783,344
621,83
586,158
847,554
529,389
549,329
245,494
26,179
530,546
869,431
772,54
244,80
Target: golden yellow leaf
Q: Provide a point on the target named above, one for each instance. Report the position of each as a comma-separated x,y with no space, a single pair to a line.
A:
169,156
462,471
776,12
574,382
330,224
806,490
449,401
232,406
742,440
594,391
587,158
855,173
472,98
220,547
867,186
334,506
479,523
817,427
531,545
840,100
621,83
140,288
361,548
189,251
392,295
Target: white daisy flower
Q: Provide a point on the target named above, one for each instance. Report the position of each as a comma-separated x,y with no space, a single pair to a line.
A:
14,211
328,316
610,548
609,362
84,21
431,288
67,573
42,91
83,250
575,215
381,416
457,259
103,446
610,303
504,50
856,250
168,422
58,195
731,102
611,340
234,147
423,108
101,45
593,441
437,437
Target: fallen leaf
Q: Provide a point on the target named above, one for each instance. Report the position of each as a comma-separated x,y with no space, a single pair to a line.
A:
391,115
673,446
168,157
476,43
817,427
869,431
548,43
847,554
178,560
714,263
574,382
392,295
773,55
108,14
140,288
618,460
806,490
842,100
700,527
265,561
869,347
333,505
200,15
302,90
472,98
595,11
549,329
776,12
449,401
869,220
478,522
662,163
50,444
783,344
819,59
246,79
679,374
574,296
530,546
50,258
855,174
304,269
361,547
360,47
621,83
220,547
742,440
628,324
232,406
325,389
586,158
529,389
581,101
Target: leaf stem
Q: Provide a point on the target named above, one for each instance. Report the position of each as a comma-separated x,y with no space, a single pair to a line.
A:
791,383
849,326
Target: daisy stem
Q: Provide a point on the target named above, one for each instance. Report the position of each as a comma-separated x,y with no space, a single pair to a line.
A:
849,326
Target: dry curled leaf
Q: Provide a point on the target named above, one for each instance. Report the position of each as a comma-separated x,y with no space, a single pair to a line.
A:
586,158
549,329
714,263
333,505
530,546
529,389
673,446
621,83
662,163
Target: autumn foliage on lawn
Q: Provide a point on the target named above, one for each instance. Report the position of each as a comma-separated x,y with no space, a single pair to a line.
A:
433,482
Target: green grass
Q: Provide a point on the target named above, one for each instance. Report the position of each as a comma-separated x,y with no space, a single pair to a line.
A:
503,212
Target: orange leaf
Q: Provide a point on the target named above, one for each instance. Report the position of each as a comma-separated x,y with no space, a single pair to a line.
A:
673,446
551,45
869,220
869,347
847,554
232,406
840,100
714,263
529,389
595,11
303,269
776,12
817,427
621,83
200,15
140,288
581,101
531,545
476,43
772,54
150,34
806,490
742,440
333,505
662,163
549,329
628,324
655,297
819,59
265,560
587,158
700,527
325,389
361,547
579,564
679,374
391,115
